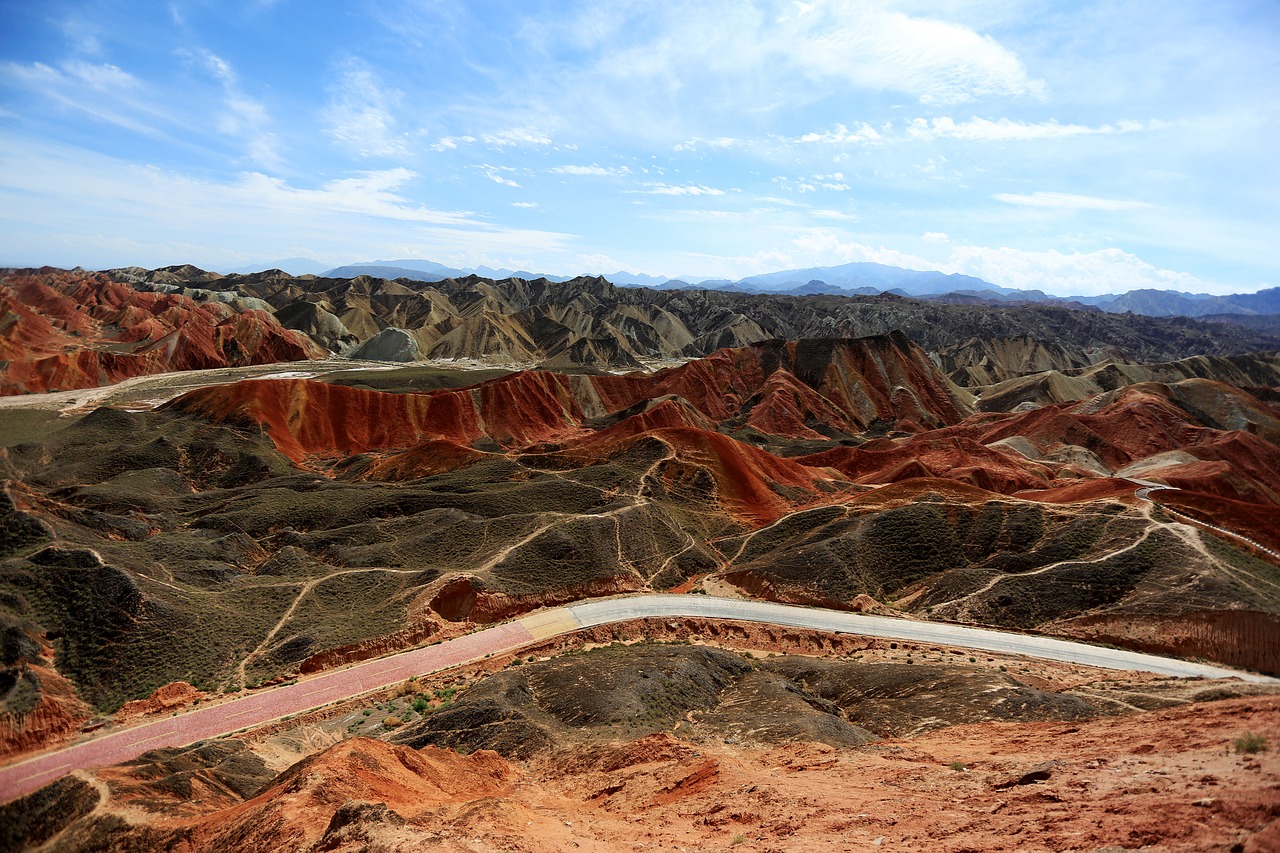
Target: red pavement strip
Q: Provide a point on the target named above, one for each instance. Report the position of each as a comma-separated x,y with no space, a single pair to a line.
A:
211,721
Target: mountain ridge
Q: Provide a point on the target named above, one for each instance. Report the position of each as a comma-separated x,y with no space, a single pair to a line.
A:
858,277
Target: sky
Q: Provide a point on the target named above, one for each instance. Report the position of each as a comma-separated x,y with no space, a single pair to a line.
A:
1075,147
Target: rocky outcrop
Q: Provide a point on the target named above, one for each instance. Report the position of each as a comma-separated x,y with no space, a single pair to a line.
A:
388,345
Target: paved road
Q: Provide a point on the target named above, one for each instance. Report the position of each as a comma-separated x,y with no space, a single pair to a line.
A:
1148,487
264,706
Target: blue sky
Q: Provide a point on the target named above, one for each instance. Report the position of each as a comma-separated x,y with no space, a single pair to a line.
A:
1075,147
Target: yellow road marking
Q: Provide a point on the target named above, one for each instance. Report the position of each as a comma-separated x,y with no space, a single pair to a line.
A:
57,769
550,623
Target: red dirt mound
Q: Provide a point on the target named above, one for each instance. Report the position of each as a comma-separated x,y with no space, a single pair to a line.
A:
174,696
948,456
56,716
704,465
435,456
1082,491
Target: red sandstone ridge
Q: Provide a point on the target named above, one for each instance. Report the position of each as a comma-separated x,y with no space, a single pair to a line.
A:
779,387
784,386
67,330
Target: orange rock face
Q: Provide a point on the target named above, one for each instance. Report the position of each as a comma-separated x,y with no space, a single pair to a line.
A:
66,330
297,809
54,719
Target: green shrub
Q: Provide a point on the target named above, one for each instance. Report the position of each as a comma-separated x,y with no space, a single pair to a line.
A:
1250,743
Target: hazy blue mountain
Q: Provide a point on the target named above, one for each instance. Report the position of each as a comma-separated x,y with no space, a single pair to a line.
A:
385,271
413,264
293,266
1171,303
879,276
636,279
1263,302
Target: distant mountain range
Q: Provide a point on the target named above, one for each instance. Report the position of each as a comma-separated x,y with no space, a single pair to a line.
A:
853,279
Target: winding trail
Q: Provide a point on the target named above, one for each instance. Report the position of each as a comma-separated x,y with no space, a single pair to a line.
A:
28,775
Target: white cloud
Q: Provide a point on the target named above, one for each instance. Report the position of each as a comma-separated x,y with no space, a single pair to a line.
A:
525,204
685,74
448,143
876,47
520,136
242,117
824,246
1075,273
689,189
718,143
935,237
1009,130
1110,270
361,113
1068,201
598,263
493,173
593,169
833,182
103,77
972,130
54,199
105,92
834,214
842,135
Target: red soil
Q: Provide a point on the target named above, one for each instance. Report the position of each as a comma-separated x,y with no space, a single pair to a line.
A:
1244,638
67,330
743,475
304,417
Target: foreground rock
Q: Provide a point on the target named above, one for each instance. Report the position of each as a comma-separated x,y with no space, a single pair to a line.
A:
1163,780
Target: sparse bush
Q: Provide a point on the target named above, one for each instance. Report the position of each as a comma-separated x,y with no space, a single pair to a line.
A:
392,722
1250,743
958,766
